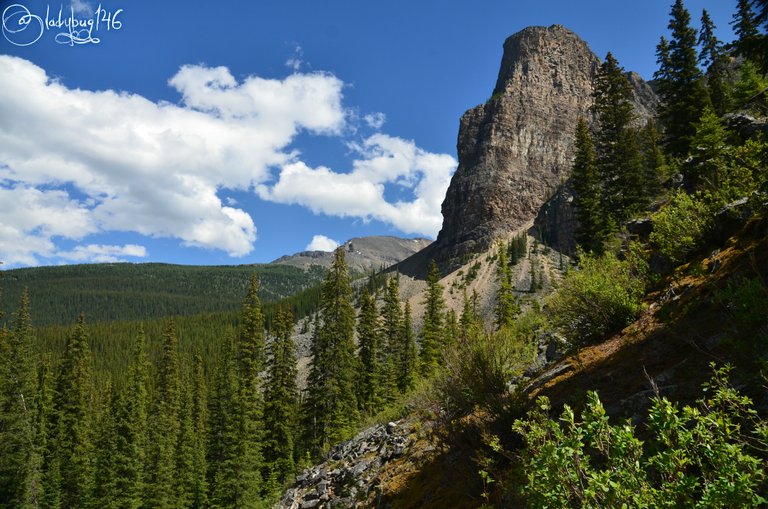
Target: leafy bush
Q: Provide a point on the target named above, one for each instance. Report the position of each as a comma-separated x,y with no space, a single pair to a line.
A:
479,370
679,227
599,298
700,456
747,301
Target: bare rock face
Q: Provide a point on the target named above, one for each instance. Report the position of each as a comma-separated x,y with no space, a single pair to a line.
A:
517,149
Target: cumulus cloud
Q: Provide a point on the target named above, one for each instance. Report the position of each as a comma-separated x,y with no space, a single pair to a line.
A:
82,8
382,160
375,120
322,243
75,162
147,167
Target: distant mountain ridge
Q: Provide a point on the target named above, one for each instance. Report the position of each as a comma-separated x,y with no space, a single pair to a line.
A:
363,253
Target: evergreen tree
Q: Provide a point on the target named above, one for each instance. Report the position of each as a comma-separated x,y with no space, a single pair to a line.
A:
619,161
451,329
75,421
130,410
587,191
715,61
331,409
199,488
469,322
281,401
49,496
368,340
746,27
184,484
747,89
19,453
680,82
251,355
506,303
432,330
165,426
410,355
655,163
105,444
391,340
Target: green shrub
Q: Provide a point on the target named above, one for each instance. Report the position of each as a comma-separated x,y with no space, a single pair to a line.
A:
599,298
747,301
699,456
679,227
479,370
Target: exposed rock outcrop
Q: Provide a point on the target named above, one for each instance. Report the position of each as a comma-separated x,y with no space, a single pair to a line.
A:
517,149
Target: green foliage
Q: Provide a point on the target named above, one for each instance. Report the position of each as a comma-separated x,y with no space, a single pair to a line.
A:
432,330
714,59
126,291
747,88
680,82
746,300
599,298
281,404
19,441
74,442
587,191
697,456
330,409
370,366
391,338
678,228
479,369
506,302
409,359
517,248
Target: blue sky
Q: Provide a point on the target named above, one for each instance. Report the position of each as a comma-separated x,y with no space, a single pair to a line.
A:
235,132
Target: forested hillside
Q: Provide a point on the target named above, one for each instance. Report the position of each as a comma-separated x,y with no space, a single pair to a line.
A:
125,291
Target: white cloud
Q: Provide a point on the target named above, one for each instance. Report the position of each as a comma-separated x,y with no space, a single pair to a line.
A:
100,253
82,8
375,120
146,167
296,60
381,160
322,243
75,163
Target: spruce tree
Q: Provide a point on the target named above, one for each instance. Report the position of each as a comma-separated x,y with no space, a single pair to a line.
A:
165,426
655,163
587,191
410,354
619,162
712,56
432,330
331,408
680,82
391,339
49,496
75,421
19,454
105,493
184,482
469,321
368,341
251,355
506,303
199,488
746,27
281,403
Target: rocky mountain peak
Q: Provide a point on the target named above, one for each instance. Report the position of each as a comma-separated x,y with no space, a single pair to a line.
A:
517,148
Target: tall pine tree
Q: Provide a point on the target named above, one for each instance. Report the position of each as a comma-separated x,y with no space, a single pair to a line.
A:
75,421
587,191
281,403
506,303
714,59
391,339
680,82
165,426
19,451
331,406
409,359
432,330
368,342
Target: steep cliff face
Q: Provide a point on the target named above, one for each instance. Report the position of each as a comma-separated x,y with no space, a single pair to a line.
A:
516,150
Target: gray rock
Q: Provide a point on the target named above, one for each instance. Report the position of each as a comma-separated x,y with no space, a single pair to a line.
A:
517,149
